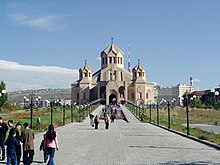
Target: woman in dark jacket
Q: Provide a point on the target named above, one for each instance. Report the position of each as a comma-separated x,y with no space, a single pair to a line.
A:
96,121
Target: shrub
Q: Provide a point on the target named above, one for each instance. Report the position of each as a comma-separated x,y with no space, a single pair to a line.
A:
7,107
202,137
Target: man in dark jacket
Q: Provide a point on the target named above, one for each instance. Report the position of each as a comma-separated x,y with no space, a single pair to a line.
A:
3,131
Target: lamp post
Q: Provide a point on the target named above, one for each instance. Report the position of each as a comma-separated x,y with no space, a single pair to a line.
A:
174,102
2,93
51,109
150,111
187,114
39,101
168,106
31,112
72,106
191,100
157,113
25,98
64,113
139,111
213,93
216,95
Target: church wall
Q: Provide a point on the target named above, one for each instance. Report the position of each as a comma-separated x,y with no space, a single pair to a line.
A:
84,96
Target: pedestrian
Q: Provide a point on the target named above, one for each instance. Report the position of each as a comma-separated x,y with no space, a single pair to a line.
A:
12,145
91,116
112,117
96,121
106,119
27,137
142,118
50,144
3,131
18,137
43,149
10,124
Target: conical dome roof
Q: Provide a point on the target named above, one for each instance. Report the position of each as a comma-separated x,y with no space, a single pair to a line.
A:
85,68
112,48
138,67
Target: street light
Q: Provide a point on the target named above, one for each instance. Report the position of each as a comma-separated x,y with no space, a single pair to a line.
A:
64,114
168,106
38,99
157,113
213,92
2,93
31,112
51,109
72,106
174,102
150,110
25,99
216,95
187,114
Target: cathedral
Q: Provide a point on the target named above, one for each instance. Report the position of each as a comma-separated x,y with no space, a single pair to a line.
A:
112,83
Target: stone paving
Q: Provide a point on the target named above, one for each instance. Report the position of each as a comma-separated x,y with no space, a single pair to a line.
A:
132,143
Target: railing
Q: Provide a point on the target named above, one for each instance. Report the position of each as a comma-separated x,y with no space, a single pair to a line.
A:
188,119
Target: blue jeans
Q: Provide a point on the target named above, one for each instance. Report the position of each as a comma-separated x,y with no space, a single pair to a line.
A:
50,152
12,160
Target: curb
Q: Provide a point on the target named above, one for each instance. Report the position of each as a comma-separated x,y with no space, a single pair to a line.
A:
210,144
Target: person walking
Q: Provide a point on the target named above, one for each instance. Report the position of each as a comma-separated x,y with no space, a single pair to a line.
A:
10,124
12,145
96,121
18,137
27,137
106,119
3,131
91,116
112,117
50,144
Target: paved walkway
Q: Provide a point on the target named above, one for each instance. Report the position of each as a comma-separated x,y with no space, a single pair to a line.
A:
132,143
205,127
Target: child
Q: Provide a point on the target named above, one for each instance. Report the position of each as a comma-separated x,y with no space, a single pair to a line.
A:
12,145
43,149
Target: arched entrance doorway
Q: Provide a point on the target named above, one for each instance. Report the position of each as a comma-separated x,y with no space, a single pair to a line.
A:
113,97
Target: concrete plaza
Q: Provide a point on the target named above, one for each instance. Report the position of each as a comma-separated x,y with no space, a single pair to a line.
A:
132,143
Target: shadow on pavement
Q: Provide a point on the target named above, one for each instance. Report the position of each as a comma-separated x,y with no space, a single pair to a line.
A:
185,163
175,148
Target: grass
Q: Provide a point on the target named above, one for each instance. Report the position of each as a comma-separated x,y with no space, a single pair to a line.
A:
178,120
45,116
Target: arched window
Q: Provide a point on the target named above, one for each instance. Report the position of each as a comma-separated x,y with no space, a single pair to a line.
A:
122,91
102,92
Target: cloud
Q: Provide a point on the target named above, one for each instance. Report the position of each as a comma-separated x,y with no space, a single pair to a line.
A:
48,22
21,77
9,65
197,80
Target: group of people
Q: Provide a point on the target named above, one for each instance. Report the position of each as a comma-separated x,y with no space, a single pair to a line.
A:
26,137
94,120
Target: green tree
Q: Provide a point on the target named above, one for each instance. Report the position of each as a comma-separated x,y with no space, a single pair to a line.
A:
3,94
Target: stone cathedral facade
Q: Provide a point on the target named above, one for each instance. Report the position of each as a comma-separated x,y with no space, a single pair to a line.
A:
112,83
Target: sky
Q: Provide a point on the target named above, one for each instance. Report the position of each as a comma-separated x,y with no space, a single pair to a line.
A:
44,43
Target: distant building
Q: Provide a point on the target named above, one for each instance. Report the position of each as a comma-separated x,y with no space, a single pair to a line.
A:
164,93
206,95
179,90
112,83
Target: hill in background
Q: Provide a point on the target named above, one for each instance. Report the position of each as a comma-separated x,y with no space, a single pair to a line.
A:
18,96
